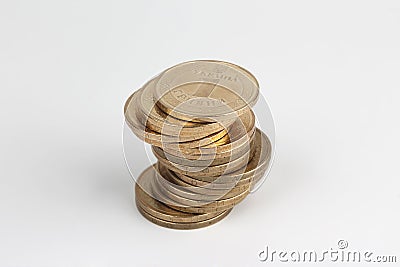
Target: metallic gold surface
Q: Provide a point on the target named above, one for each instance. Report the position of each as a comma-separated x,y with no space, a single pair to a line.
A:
184,226
205,89
157,208
193,206
159,121
156,138
197,116
206,171
173,190
196,185
240,135
256,164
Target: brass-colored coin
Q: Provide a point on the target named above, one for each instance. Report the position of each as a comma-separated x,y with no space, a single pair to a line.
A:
148,108
206,171
219,90
197,99
238,68
136,127
194,206
159,210
159,121
212,188
184,226
236,152
171,188
195,200
155,138
257,164
240,134
222,182
182,160
201,167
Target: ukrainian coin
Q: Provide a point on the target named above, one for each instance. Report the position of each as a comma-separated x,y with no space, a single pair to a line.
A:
257,164
159,210
196,200
238,68
194,206
184,226
199,162
155,138
171,188
134,124
208,90
240,134
211,188
206,171
159,121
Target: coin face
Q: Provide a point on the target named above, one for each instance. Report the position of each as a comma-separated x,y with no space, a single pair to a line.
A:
245,72
205,90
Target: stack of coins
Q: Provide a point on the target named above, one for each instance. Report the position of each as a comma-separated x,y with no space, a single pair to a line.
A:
197,116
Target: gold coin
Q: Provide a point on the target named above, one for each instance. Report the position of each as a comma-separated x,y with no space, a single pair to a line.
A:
238,68
140,129
257,164
196,200
159,121
171,188
194,206
159,210
240,134
151,137
206,171
240,147
182,160
184,226
136,126
211,188
223,182
219,89
148,107
202,167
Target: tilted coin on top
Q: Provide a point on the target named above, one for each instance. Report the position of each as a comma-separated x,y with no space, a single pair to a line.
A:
205,91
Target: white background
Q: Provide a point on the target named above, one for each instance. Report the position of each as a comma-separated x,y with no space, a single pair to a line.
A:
329,69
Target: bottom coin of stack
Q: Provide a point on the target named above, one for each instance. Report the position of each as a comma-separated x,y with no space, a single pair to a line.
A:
171,198
163,215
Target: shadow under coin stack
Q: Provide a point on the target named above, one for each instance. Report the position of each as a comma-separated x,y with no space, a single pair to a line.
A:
197,116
